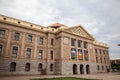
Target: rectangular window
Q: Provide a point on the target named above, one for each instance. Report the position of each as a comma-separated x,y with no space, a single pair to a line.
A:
100,51
85,45
29,38
100,59
79,43
51,55
95,50
73,53
41,41
14,51
17,36
80,54
0,50
2,33
28,54
86,56
52,41
72,42
40,55
96,59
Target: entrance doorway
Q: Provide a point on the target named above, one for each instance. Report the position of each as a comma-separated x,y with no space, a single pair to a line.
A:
74,69
81,69
87,69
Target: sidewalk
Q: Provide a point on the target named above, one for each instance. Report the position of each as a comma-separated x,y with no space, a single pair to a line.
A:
102,76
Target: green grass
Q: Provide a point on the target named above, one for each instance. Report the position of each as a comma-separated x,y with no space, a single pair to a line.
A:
64,78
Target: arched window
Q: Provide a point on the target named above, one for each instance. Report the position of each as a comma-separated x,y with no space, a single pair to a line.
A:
40,67
51,67
12,67
27,67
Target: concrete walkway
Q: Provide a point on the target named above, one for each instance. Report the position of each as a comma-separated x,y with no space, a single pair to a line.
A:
101,76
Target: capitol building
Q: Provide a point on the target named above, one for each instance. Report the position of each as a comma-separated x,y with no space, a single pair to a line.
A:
30,49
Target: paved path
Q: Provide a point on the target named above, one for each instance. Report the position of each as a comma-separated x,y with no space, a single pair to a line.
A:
101,76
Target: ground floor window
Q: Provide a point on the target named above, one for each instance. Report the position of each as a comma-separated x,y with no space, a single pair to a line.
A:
40,67
13,67
51,67
27,67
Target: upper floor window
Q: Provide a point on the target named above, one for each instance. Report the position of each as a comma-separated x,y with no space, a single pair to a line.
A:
51,55
29,38
102,67
41,40
79,43
40,55
100,51
104,52
95,50
96,59
72,42
0,50
14,51
28,54
85,45
52,41
100,59
17,36
2,33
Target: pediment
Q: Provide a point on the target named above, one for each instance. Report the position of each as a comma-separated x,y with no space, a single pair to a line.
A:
79,31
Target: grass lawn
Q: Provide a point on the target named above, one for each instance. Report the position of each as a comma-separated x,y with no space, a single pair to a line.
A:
64,78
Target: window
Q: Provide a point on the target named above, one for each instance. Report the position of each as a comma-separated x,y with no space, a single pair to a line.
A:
95,50
29,38
40,55
51,67
100,51
17,36
105,60
14,51
80,54
79,43
12,67
51,55
85,45
104,52
100,59
52,41
2,33
41,41
27,67
0,50
72,42
28,54
96,59
86,55
102,67
40,67
73,53
98,68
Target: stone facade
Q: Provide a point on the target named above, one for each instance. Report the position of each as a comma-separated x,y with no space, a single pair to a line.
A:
30,49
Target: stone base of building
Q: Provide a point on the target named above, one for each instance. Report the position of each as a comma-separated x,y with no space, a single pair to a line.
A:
59,67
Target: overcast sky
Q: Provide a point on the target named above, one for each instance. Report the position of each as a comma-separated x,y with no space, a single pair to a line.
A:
101,18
